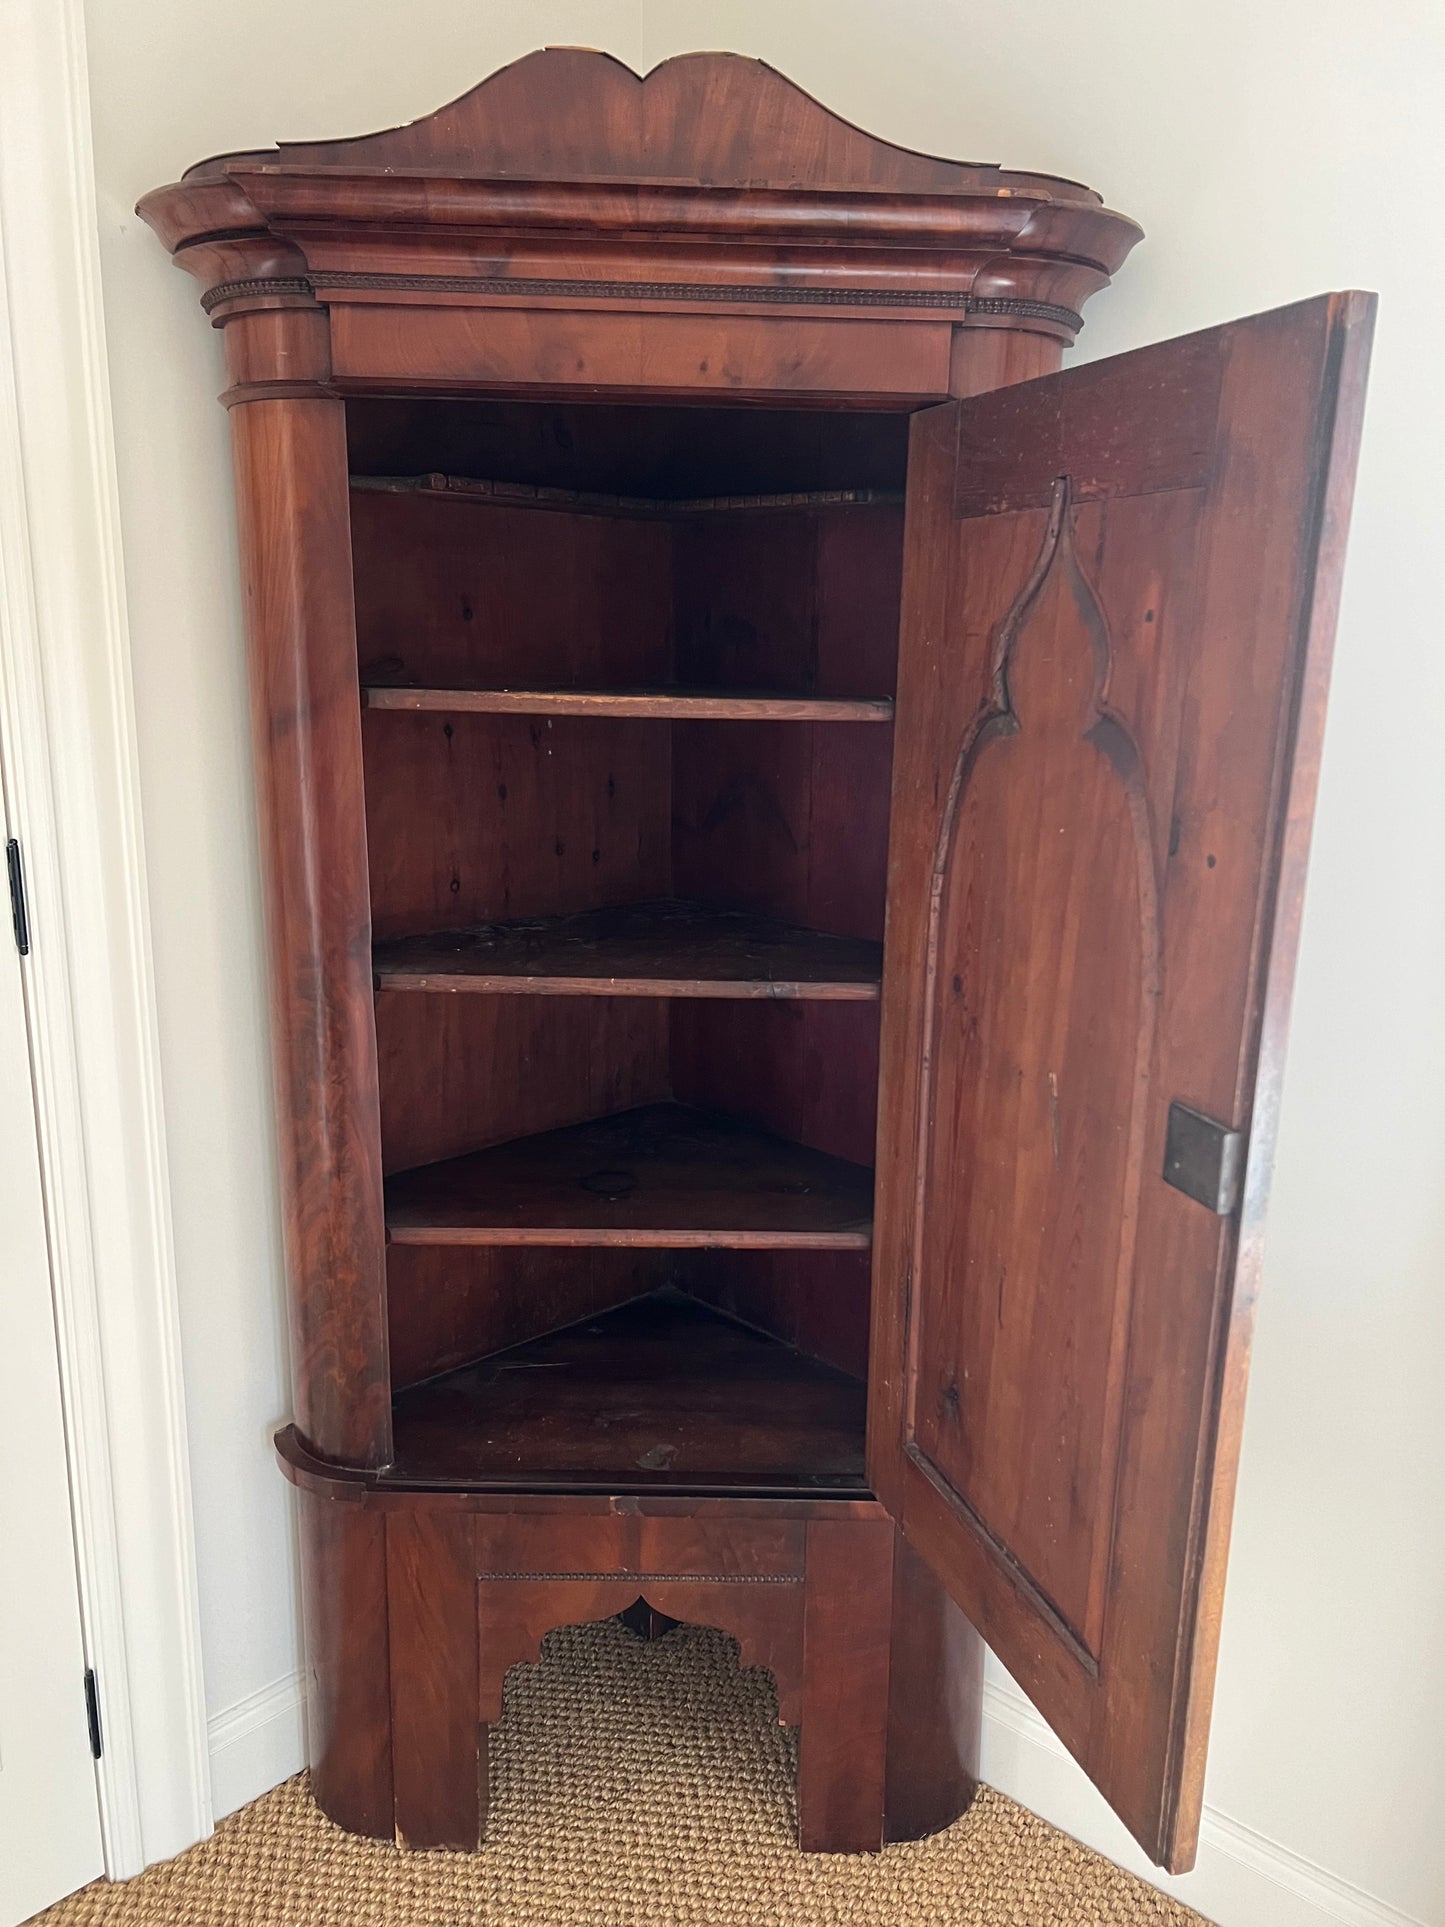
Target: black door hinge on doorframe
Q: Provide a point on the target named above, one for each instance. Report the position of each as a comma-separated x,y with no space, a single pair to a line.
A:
19,914
92,1712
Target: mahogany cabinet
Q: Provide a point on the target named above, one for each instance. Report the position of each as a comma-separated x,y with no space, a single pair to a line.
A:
785,820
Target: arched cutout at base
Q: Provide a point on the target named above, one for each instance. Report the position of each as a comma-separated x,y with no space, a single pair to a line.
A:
764,1616
635,1744
418,1605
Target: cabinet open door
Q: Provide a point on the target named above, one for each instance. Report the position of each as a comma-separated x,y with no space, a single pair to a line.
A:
1119,600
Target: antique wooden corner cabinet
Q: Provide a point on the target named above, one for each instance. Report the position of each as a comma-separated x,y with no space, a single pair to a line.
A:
784,820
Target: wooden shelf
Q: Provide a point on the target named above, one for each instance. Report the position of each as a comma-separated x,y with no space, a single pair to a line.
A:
572,501
661,1392
658,949
681,705
664,1175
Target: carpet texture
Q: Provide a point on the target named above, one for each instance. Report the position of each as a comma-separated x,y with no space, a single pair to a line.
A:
633,1785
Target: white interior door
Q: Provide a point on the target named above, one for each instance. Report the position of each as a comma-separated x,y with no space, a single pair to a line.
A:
49,1810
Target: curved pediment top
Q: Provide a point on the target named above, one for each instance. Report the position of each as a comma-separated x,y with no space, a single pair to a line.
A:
760,198
712,119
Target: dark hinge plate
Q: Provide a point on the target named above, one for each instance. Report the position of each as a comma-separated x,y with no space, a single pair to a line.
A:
19,915
92,1712
1204,1159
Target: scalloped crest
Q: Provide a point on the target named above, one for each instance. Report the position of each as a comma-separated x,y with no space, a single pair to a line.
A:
718,119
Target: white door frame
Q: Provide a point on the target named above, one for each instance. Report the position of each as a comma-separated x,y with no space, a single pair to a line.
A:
67,737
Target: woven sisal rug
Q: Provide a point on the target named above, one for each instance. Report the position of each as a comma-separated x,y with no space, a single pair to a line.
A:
633,1785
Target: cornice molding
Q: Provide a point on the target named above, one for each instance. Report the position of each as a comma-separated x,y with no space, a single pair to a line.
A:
566,179
320,283
711,185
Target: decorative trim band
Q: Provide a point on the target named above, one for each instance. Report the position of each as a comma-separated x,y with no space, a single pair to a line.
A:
262,285
243,391
1022,310
765,294
651,1578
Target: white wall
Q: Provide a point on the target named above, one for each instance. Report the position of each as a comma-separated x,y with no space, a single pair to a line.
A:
1270,151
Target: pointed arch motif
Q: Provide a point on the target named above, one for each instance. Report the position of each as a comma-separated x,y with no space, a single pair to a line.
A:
1037,1062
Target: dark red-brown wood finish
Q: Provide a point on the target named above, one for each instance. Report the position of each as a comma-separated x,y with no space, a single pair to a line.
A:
1118,613
871,1660
569,224
291,504
573,473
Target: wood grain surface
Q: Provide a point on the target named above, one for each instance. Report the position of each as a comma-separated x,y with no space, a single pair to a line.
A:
1104,771
664,1174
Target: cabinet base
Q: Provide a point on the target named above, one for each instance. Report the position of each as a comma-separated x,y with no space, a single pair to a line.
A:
417,1604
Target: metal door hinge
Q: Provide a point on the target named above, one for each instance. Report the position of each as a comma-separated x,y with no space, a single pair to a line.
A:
1204,1159
92,1712
19,915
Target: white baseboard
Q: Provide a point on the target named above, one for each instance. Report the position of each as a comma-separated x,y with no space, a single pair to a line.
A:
257,1743
1240,1879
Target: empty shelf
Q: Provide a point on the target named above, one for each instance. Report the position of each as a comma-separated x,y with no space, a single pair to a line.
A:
681,705
501,494
661,1392
663,1175
660,949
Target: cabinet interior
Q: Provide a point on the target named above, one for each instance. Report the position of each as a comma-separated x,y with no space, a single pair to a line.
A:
627,679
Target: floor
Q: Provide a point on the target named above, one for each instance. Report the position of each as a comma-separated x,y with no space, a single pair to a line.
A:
633,1785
